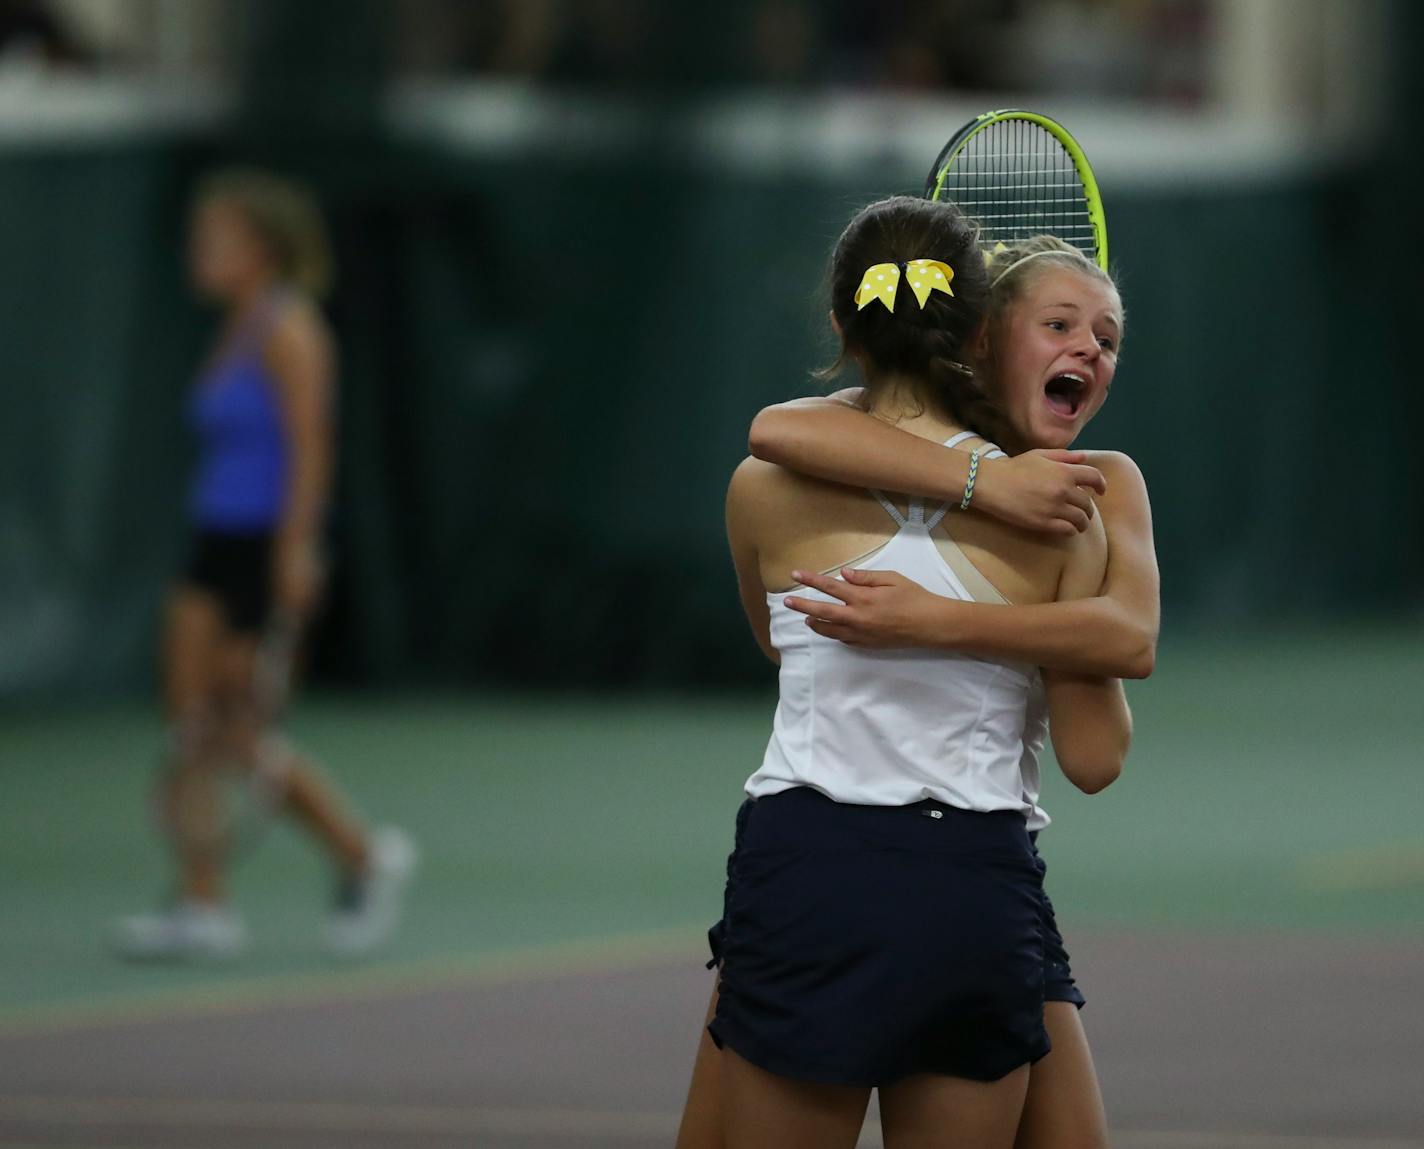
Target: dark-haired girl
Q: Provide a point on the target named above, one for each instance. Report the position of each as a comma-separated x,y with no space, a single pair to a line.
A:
1045,298
263,413
884,903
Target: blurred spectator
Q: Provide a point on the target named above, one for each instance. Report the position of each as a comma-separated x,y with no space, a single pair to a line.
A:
1155,50
607,43
784,43
594,43
502,37
920,44
1177,36
31,33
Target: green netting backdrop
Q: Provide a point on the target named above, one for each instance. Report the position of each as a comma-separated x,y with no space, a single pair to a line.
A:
549,365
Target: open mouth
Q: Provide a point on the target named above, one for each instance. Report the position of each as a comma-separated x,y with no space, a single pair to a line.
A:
1066,393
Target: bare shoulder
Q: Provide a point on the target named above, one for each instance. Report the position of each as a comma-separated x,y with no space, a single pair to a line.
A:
299,336
752,474
758,482
790,504
1117,467
754,498
852,397
1127,489
300,316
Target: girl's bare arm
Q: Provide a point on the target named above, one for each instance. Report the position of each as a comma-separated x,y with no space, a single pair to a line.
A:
300,357
1088,717
741,536
1113,633
832,438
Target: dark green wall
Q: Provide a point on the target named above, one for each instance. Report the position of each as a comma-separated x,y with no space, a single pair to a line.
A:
549,367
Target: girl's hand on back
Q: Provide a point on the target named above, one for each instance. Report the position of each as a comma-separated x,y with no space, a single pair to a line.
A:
875,608
1048,491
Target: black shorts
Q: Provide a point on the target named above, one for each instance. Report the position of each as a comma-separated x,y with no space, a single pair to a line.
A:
1058,983
863,944
236,569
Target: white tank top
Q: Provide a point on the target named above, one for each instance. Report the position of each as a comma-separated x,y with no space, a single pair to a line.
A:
892,727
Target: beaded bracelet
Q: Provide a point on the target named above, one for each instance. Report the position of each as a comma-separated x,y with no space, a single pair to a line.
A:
969,482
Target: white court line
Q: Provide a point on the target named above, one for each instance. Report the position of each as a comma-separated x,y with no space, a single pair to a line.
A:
296,1117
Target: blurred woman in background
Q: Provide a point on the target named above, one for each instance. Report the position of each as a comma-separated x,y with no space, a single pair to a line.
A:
263,410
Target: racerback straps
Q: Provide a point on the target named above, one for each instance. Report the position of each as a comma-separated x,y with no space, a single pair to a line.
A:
890,508
915,511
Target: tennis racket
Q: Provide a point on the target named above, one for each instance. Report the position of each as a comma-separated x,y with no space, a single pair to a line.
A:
217,801
1018,174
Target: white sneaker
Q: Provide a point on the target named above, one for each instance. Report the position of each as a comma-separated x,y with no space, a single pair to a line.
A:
189,930
369,906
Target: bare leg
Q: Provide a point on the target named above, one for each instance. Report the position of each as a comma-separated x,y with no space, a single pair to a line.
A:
701,1126
305,792
929,1111
322,810
192,677
1064,1108
192,631
764,1111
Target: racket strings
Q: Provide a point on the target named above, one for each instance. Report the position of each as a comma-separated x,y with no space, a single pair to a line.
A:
1017,181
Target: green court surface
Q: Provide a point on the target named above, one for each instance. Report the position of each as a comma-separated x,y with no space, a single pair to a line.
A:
1273,786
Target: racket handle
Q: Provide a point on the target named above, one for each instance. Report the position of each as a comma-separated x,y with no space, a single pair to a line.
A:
276,654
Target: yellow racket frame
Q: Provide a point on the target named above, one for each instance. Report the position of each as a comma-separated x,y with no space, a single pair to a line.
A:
1096,216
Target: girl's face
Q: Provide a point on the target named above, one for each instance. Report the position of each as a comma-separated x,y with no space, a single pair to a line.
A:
1056,354
225,253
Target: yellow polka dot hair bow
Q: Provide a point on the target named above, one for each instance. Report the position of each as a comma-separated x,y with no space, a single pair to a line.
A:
925,275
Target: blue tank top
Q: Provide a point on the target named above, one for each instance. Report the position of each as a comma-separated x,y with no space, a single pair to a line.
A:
241,481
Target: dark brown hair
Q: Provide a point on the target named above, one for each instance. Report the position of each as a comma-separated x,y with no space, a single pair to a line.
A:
931,345
286,218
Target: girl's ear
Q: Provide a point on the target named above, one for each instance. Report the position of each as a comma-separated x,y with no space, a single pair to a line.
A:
979,343
836,326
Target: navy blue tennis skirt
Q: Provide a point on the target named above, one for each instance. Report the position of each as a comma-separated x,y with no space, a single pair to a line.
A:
1059,984
1058,980
862,944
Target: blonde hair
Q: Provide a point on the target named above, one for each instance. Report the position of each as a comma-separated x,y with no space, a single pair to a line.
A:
286,217
1011,270
1007,276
